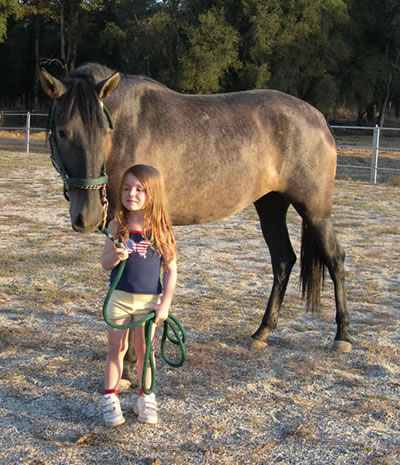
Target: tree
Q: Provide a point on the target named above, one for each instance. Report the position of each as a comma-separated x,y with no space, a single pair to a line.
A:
7,9
324,51
212,50
33,11
375,69
138,36
264,25
326,94
307,44
74,19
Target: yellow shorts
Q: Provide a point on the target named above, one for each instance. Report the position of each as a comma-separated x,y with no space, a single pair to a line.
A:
124,304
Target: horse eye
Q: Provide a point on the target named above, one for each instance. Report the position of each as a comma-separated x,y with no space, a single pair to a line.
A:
61,134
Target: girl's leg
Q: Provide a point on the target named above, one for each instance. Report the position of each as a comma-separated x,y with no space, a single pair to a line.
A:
117,347
140,349
146,405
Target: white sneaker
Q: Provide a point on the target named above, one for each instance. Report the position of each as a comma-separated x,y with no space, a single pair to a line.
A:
146,408
112,411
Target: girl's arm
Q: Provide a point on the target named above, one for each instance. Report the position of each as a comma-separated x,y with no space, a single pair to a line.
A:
169,284
112,255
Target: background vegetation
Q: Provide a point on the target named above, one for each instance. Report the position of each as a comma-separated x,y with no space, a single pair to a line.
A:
340,55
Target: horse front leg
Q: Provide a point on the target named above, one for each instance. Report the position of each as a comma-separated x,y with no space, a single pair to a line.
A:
272,209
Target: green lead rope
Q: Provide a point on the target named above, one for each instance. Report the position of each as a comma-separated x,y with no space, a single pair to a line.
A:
171,323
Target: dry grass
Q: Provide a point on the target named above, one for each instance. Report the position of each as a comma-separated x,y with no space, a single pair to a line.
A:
293,403
15,140
21,135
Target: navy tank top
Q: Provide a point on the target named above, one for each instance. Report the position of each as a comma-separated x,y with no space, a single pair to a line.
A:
142,270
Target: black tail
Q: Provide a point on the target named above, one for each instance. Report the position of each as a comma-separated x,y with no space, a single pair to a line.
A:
312,271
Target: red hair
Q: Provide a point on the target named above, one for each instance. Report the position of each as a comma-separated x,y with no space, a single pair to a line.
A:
157,227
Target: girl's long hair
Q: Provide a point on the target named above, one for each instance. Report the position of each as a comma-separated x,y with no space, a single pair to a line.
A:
157,227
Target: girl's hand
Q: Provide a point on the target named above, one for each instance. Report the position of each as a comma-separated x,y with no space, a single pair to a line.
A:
169,282
117,255
162,311
122,254
112,255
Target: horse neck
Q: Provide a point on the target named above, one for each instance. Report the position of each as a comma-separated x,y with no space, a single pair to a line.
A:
125,103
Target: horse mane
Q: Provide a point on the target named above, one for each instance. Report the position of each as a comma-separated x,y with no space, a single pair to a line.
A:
81,95
98,71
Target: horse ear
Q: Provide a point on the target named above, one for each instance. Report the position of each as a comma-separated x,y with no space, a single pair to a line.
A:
52,86
107,87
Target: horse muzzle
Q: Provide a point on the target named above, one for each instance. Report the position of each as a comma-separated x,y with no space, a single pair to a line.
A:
87,210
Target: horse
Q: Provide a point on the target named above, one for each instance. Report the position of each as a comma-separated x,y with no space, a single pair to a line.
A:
218,154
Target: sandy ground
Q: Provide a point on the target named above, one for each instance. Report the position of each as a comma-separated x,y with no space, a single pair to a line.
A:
295,402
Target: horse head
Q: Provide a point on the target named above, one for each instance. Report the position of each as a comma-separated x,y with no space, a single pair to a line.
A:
80,141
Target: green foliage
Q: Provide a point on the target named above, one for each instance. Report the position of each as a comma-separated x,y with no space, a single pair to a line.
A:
374,74
213,50
111,36
292,44
328,52
160,32
7,9
326,94
309,45
38,8
265,22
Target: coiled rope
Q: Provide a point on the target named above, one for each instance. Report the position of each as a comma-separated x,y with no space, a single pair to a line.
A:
171,323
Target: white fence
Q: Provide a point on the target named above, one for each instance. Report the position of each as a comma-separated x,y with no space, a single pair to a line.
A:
26,124
377,133
23,131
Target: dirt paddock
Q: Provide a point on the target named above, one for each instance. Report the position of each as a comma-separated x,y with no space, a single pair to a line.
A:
294,403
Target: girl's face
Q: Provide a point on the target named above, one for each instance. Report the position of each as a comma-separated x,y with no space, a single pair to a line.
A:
133,193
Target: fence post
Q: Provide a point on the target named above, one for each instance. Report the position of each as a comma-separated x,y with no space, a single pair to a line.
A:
375,153
28,131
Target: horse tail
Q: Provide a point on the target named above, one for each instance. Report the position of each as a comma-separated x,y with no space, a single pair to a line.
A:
312,269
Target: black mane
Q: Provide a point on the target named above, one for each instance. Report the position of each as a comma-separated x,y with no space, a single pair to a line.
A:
82,95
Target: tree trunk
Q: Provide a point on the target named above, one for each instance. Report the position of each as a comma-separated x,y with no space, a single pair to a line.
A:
62,34
73,35
36,63
381,117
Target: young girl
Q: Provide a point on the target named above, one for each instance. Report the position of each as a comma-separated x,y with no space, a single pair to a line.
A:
141,224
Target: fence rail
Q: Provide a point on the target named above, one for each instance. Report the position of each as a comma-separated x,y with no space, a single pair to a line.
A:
17,129
23,121
375,147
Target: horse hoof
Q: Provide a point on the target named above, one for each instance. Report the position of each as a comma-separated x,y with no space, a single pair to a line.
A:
124,385
341,346
259,344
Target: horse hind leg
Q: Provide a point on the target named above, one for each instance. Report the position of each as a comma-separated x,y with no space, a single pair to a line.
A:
272,209
320,246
